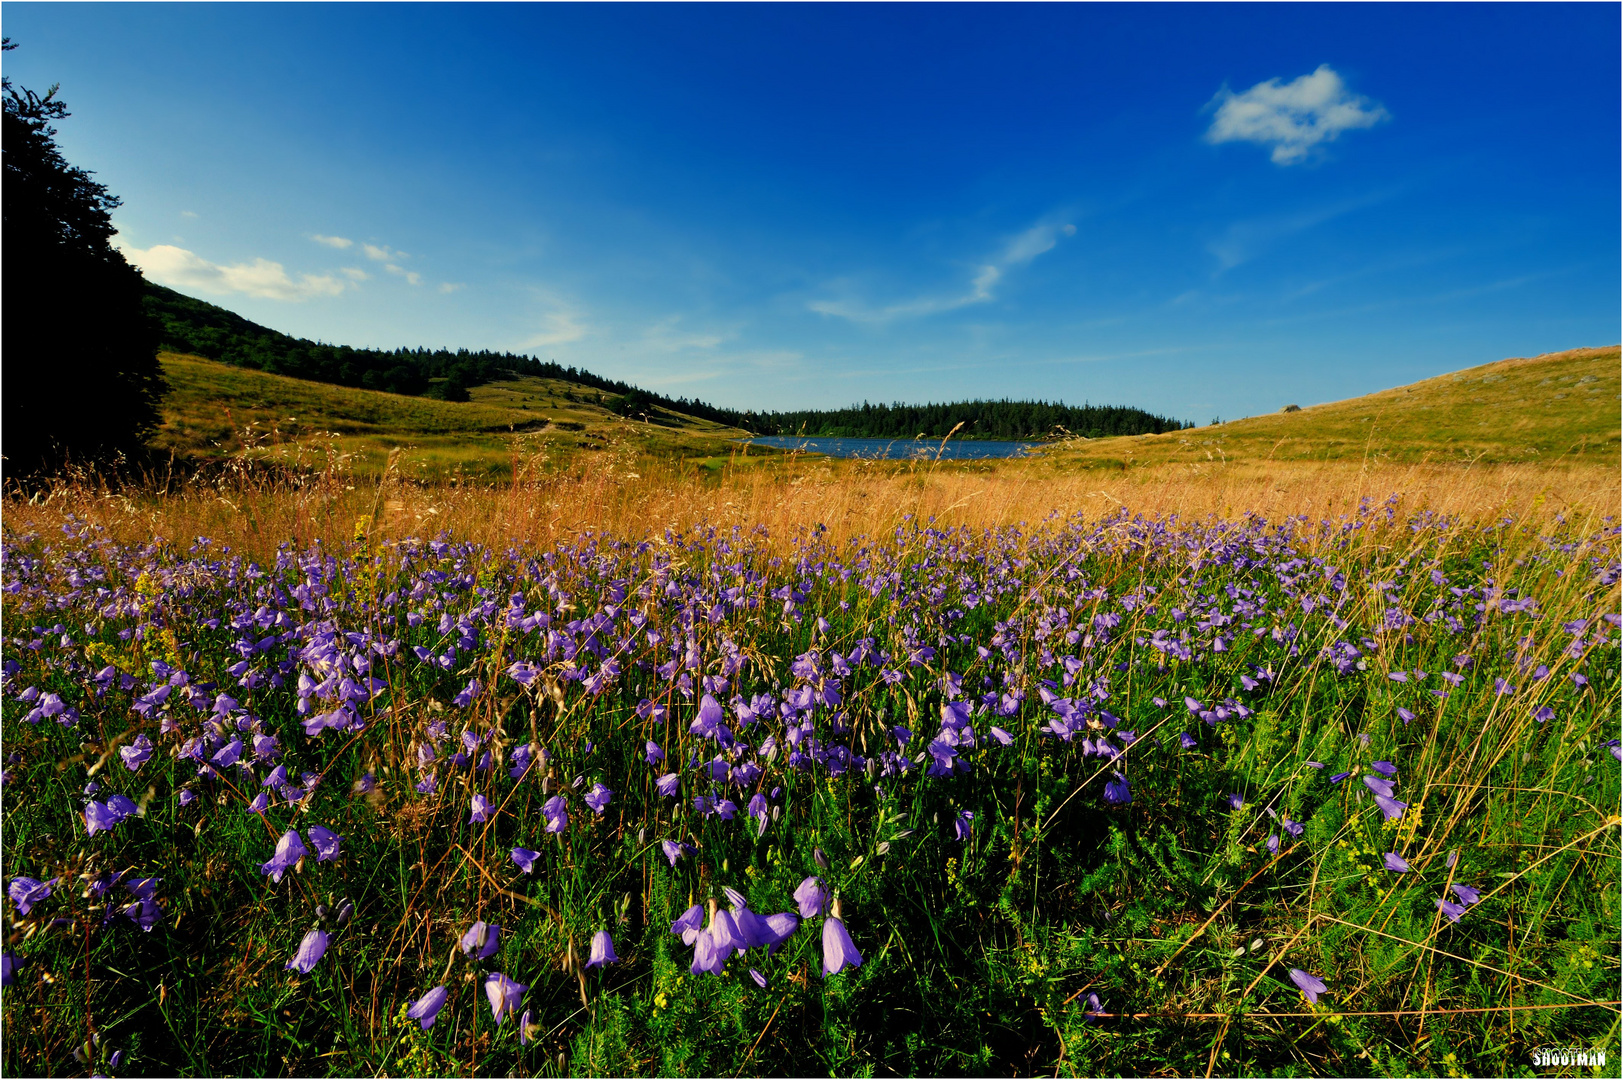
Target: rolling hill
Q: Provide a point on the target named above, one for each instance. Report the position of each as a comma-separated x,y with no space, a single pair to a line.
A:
1560,407
1557,407
215,411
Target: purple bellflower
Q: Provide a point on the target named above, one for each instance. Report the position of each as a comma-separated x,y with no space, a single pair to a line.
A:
136,754
602,950
100,818
326,843
1310,985
1467,894
707,956
839,952
525,858
724,931
1379,786
426,1009
1117,791
1395,863
598,798
1092,1008
504,994
709,719
962,824
688,925
25,892
779,929
1391,808
309,953
812,897
1452,910
556,811
479,808
481,941
289,850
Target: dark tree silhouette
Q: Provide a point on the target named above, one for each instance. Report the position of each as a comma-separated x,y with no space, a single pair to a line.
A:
79,375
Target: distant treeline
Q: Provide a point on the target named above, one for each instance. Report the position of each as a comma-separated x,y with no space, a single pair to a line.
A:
1004,419
195,326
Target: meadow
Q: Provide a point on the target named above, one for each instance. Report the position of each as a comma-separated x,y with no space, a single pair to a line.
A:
712,763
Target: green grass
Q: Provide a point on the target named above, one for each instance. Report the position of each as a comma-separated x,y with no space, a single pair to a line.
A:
1546,409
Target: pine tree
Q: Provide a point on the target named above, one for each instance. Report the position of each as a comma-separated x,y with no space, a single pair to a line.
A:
80,379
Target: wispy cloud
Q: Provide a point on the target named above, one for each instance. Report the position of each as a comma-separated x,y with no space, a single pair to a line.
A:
668,335
268,280
1417,299
451,286
1244,240
1019,251
338,242
188,213
559,324
383,253
1293,118
355,273
411,276
775,367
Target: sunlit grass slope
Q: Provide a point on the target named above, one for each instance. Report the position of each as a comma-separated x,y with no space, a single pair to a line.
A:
215,410
1560,407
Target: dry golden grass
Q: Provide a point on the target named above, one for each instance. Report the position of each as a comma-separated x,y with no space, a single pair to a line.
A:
623,493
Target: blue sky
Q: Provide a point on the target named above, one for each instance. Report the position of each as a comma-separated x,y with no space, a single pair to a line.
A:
1201,210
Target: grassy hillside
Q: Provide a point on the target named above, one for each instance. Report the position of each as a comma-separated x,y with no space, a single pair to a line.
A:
1558,408
215,411
1549,408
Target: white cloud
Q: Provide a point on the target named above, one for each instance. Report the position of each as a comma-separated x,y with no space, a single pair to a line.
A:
1019,251
355,273
1034,242
332,241
383,253
451,286
1292,117
262,278
188,213
411,276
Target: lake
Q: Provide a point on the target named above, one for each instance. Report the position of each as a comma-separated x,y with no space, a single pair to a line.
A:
903,449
